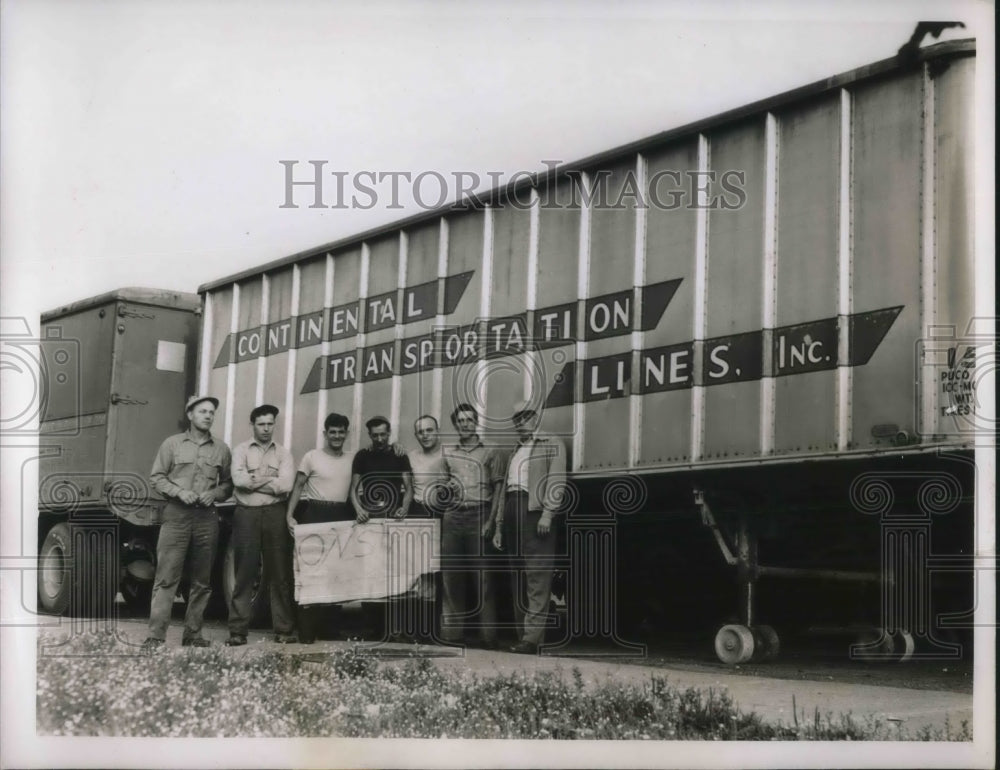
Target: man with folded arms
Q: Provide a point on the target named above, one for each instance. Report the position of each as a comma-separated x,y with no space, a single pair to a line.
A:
263,475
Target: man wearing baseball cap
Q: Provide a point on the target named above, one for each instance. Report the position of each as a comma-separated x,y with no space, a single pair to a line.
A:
533,490
191,470
263,475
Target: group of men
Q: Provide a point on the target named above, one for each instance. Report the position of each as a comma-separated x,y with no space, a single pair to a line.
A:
507,496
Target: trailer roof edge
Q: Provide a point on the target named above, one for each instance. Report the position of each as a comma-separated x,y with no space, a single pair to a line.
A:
179,300
948,49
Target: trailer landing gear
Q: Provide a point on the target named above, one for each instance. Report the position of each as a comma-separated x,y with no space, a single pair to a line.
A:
745,641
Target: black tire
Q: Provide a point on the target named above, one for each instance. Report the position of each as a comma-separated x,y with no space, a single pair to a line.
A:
54,580
260,600
78,571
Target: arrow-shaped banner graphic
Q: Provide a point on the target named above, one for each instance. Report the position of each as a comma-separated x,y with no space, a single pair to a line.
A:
798,349
609,315
381,311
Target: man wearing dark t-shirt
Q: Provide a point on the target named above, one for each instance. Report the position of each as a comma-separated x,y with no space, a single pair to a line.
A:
382,480
381,487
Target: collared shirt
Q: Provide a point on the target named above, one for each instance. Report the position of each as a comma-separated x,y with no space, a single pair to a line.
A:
429,469
273,462
476,470
544,468
186,463
517,471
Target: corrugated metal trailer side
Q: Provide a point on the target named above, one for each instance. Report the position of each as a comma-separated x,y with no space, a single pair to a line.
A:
785,286
753,288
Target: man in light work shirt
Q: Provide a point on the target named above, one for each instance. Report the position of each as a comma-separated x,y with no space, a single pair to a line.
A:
263,475
476,475
191,470
534,485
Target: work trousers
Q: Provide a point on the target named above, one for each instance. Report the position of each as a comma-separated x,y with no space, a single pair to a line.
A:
464,562
531,562
185,530
262,531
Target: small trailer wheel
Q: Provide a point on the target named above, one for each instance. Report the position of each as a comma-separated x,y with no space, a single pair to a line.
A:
904,645
874,645
766,642
734,643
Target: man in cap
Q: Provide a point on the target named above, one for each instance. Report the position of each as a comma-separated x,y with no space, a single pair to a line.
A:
533,485
263,475
191,470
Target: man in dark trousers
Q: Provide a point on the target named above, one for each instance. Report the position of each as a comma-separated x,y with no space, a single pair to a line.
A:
191,470
476,478
381,487
263,475
533,485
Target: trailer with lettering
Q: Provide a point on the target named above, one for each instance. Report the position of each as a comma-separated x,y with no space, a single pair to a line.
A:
753,333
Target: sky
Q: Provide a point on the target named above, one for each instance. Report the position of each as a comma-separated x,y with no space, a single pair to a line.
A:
142,142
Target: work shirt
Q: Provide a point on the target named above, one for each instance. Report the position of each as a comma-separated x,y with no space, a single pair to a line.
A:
429,470
185,462
538,467
517,471
328,477
273,462
381,482
476,470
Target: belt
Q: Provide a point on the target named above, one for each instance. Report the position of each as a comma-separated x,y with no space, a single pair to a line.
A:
472,506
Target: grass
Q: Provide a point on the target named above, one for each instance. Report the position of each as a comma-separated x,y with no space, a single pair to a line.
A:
95,685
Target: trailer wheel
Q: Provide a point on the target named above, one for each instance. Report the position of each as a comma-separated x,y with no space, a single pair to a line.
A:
138,594
54,580
874,645
734,643
84,584
260,604
766,642
905,645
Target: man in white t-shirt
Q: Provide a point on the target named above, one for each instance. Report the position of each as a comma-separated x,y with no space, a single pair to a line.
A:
321,493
